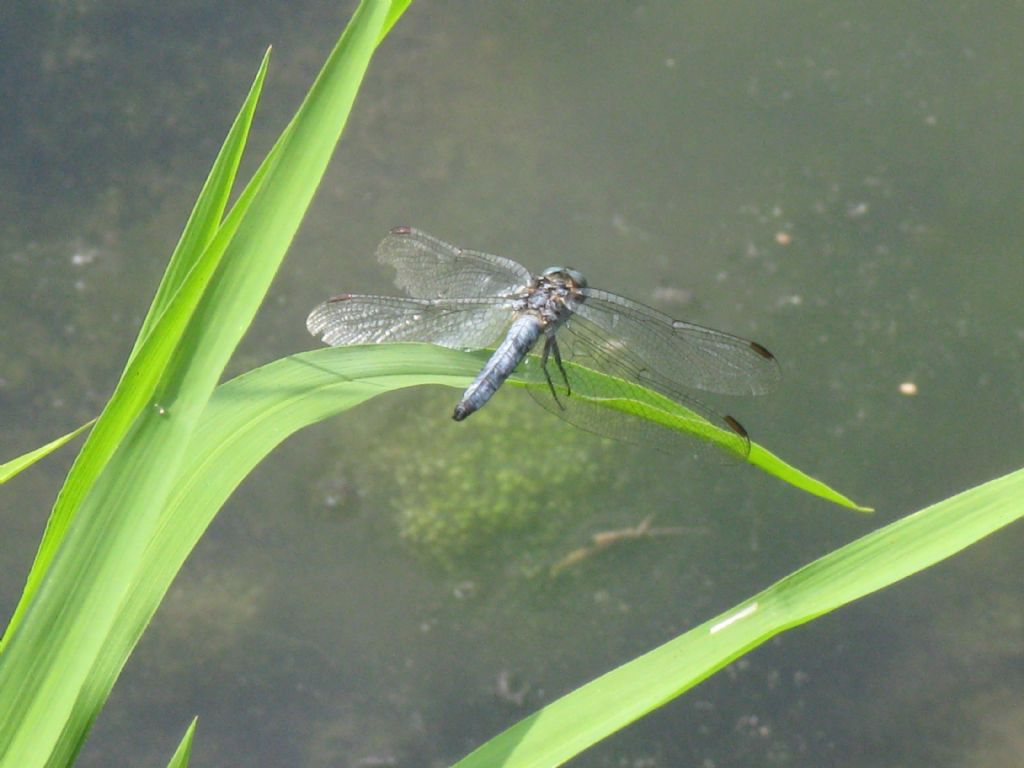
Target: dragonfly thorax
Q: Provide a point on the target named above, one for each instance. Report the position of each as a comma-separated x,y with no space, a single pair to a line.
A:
551,296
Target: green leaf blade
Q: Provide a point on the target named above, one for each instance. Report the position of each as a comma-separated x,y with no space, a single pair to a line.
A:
206,215
250,415
566,727
10,469
620,398
183,754
185,280
62,659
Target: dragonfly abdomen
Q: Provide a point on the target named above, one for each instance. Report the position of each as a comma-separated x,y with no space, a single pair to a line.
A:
518,342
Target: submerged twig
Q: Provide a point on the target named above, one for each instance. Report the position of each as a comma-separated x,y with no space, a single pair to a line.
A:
605,539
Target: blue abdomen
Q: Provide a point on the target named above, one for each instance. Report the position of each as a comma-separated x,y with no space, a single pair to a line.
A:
518,342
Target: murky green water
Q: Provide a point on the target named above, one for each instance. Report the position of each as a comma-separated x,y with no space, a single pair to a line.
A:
842,184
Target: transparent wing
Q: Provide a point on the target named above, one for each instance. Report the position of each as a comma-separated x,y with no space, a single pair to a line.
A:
429,268
583,343
665,354
454,323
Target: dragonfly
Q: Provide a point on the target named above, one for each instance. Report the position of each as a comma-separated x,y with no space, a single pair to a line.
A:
464,299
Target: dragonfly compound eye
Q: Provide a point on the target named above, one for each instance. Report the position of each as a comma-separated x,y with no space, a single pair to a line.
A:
566,275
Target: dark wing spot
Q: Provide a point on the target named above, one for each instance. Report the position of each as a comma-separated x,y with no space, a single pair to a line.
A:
736,426
761,351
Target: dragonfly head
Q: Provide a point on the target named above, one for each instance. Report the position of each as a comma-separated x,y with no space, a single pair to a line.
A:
570,277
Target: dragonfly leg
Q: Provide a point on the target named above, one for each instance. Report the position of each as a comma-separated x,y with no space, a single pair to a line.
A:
549,344
558,361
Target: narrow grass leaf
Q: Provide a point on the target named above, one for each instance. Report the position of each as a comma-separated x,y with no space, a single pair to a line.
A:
11,468
768,462
398,7
208,211
183,753
185,280
50,689
250,415
580,719
618,396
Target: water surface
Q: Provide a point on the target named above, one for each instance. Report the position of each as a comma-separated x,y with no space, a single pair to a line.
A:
841,184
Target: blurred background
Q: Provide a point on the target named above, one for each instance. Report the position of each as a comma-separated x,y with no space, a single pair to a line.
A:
391,588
